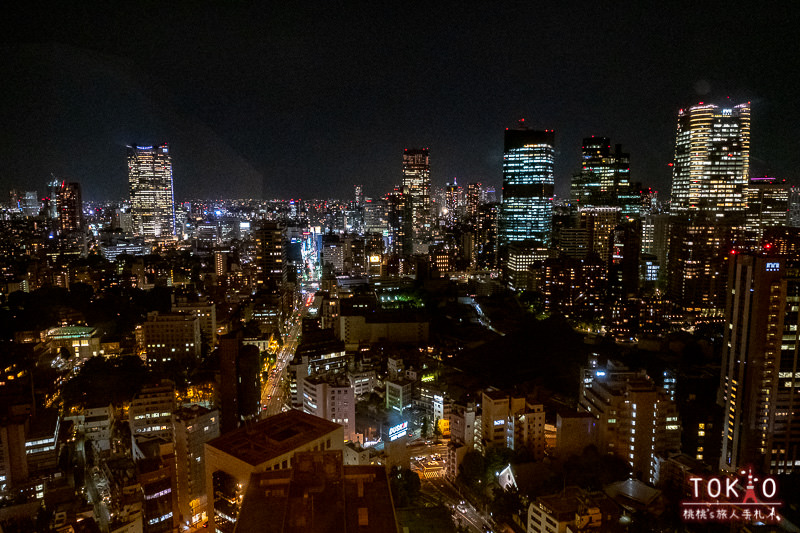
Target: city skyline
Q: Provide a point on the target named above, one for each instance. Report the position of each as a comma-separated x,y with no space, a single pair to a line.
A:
309,121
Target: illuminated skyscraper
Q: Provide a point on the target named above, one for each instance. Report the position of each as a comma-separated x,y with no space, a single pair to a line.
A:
69,206
452,203
417,187
152,198
604,179
528,165
473,199
270,256
760,382
712,160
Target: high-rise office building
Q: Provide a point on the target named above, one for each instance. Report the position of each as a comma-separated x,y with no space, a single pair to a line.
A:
712,160
604,179
417,187
697,256
793,213
760,382
452,203
359,195
152,197
396,214
53,186
767,206
270,260
69,206
528,166
474,193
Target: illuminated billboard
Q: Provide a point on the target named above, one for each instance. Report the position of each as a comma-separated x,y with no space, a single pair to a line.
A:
400,430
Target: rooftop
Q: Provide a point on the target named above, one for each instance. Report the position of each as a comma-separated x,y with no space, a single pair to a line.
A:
318,494
562,504
272,437
70,332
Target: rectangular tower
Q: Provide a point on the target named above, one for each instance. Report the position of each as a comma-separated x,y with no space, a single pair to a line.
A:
152,197
69,206
417,187
528,166
760,378
604,179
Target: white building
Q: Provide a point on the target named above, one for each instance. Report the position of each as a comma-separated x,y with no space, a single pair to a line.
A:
331,398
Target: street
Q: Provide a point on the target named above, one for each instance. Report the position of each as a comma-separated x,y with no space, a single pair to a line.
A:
439,490
272,391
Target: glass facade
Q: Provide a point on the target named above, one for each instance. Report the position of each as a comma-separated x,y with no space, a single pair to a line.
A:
528,168
712,159
417,188
152,198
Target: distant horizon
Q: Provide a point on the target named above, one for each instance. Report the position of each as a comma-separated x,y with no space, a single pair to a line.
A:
270,101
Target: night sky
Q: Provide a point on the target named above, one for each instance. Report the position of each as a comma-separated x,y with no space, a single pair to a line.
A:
307,101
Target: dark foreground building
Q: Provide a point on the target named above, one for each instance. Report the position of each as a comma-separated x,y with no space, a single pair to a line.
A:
318,494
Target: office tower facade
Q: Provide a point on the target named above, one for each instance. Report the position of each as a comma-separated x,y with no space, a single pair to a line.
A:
599,222
69,206
53,186
396,214
417,188
712,160
760,382
152,197
793,214
452,203
697,258
270,256
358,193
474,194
486,236
604,179
528,168
767,206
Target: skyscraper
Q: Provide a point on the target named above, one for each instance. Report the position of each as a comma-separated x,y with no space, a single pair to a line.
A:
767,206
473,199
712,160
528,166
270,256
69,206
417,187
152,198
604,178
760,382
